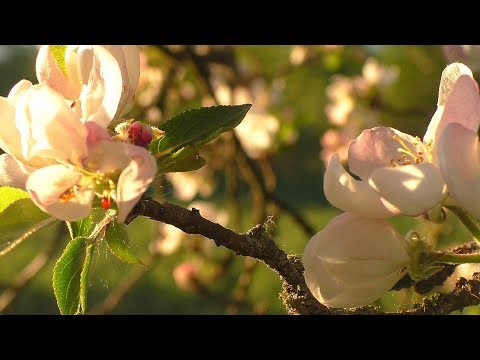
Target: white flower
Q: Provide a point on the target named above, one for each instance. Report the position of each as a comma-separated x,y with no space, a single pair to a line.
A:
103,79
353,261
400,174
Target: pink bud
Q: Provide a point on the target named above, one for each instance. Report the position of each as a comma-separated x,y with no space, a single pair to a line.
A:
139,134
186,276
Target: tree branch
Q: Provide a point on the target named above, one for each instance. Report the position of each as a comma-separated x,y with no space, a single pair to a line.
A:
256,243
466,293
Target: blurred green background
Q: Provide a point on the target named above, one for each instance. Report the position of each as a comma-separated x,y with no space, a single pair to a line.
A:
296,79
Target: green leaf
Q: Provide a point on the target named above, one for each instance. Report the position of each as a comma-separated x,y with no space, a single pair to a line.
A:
9,195
117,240
19,218
85,226
58,52
197,127
84,277
185,159
67,275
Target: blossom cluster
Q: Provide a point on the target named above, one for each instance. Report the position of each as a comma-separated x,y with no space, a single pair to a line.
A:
358,256
56,136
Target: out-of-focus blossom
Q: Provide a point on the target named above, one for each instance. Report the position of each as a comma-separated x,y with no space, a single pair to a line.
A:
400,174
150,84
349,106
258,129
374,73
353,261
187,185
186,276
298,54
168,241
466,54
169,238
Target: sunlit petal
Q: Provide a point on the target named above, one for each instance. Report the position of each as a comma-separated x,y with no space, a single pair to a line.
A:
52,189
135,179
348,194
412,189
459,160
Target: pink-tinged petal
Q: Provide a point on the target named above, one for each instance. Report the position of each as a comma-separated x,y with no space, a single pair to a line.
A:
135,179
71,64
96,133
132,66
84,62
10,140
107,157
348,194
377,147
52,189
12,173
459,160
49,72
462,106
412,189
132,63
101,96
49,128
450,75
19,90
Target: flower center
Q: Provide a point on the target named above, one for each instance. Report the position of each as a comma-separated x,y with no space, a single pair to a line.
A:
409,153
68,194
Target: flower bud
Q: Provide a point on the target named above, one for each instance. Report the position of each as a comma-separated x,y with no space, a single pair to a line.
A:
353,261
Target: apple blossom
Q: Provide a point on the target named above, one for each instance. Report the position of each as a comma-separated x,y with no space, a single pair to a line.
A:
103,79
62,162
353,261
458,149
400,174
109,169
38,129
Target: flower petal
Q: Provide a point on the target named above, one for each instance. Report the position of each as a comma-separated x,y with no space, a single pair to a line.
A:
132,69
48,188
353,261
462,106
135,179
348,194
19,90
377,147
101,96
459,160
362,295
49,72
49,128
10,140
352,237
12,173
412,189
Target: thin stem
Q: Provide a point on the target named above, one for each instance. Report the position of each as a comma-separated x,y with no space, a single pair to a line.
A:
33,230
459,258
33,268
470,222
